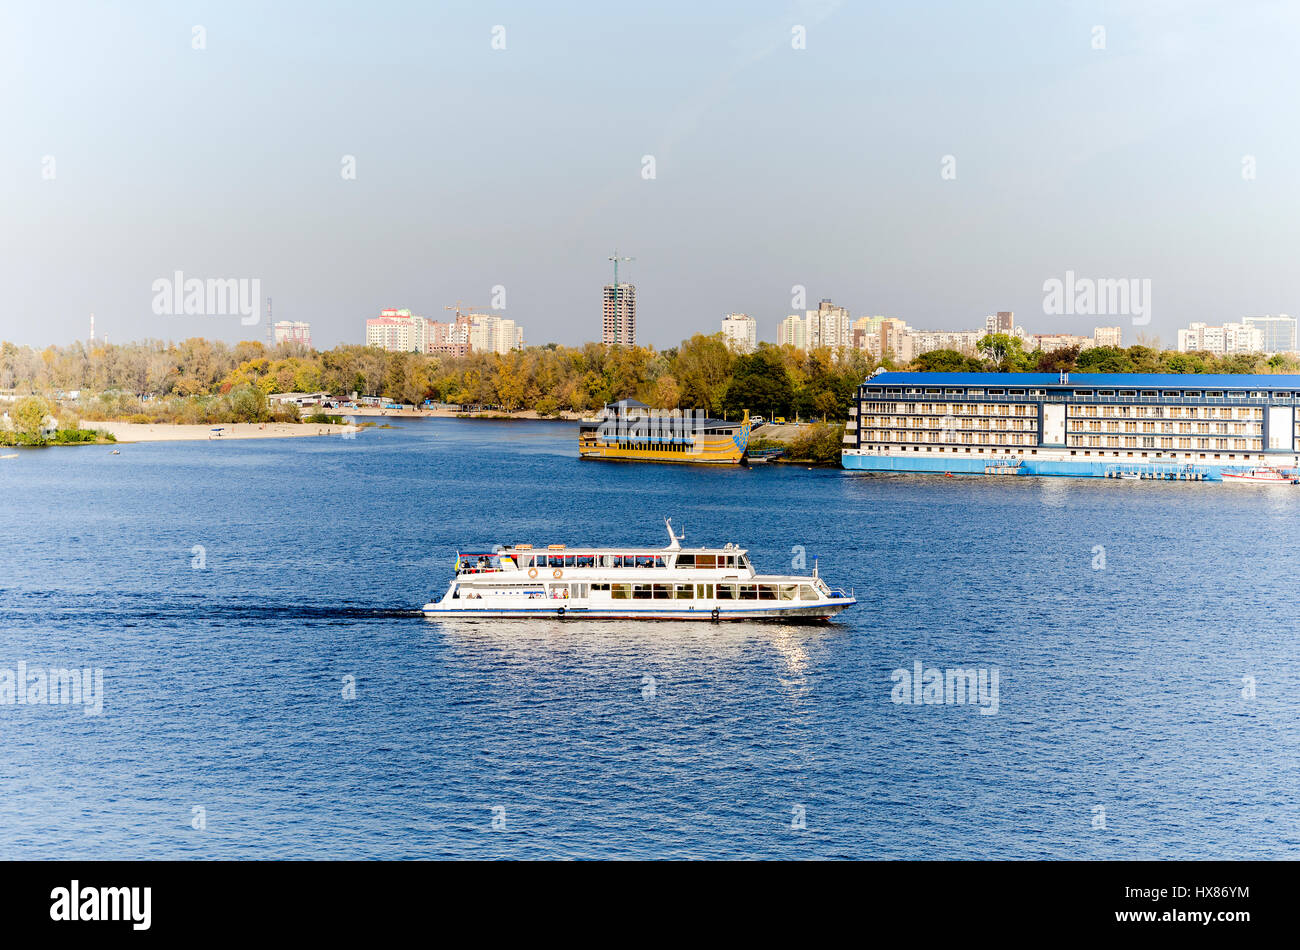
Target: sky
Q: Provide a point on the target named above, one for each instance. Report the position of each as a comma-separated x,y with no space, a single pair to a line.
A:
933,161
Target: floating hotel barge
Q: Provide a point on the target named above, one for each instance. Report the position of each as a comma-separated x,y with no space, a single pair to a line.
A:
670,583
631,431
1116,425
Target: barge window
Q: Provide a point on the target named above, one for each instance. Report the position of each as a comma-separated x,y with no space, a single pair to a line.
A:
585,560
621,591
706,560
663,591
685,592
727,592
806,592
641,591
570,560
645,560
748,592
767,591
686,560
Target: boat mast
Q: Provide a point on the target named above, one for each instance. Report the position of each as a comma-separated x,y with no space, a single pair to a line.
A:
673,539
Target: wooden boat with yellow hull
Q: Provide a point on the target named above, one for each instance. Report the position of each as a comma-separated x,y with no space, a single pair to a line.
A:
630,431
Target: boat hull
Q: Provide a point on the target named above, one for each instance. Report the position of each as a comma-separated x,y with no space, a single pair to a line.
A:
792,614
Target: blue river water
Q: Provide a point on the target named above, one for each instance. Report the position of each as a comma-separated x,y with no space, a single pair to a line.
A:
269,690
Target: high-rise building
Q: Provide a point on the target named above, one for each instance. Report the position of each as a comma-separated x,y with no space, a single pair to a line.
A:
1277,332
740,332
292,331
1221,341
828,325
492,334
793,331
895,340
397,331
401,331
619,314
927,341
1108,336
1001,322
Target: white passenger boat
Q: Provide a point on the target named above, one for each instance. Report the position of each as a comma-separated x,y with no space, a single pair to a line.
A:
670,583
1260,476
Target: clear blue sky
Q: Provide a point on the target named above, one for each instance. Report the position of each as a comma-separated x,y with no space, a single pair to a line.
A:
522,167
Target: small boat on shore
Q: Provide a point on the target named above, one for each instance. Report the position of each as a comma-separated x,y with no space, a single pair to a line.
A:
626,583
1260,476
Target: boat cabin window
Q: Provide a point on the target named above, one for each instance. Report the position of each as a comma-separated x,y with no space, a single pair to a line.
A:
806,592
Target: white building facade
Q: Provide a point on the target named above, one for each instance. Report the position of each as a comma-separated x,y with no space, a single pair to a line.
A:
740,332
1222,340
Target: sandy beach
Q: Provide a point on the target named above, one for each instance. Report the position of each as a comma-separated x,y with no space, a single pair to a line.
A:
372,412
163,432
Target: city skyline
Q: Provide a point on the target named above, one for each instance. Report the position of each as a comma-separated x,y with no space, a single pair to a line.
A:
976,159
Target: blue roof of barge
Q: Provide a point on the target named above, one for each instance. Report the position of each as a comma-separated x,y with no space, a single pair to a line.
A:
1078,380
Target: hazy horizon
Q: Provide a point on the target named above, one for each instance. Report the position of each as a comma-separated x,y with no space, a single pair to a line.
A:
133,155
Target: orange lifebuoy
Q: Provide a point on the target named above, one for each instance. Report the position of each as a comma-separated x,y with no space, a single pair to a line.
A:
532,572
557,573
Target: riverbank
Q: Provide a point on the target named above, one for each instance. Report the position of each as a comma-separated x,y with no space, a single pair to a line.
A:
370,411
168,432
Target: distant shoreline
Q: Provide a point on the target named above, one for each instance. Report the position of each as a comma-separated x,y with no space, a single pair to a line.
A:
173,432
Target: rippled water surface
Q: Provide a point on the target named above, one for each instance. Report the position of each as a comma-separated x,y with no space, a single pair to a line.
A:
1121,687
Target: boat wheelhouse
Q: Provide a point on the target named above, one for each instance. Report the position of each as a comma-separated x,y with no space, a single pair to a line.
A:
1179,427
628,583
631,431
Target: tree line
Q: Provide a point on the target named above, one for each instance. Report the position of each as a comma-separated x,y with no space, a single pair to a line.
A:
207,377
202,381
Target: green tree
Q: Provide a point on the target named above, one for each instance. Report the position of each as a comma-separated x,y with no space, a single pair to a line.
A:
702,371
1060,360
760,384
29,416
1006,352
1104,359
945,361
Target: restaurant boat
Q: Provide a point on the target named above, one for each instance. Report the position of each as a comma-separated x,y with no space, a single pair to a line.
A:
669,583
631,431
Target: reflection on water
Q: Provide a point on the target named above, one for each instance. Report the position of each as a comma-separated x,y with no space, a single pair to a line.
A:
547,641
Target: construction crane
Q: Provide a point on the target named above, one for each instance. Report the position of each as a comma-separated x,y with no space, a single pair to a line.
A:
469,308
616,259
